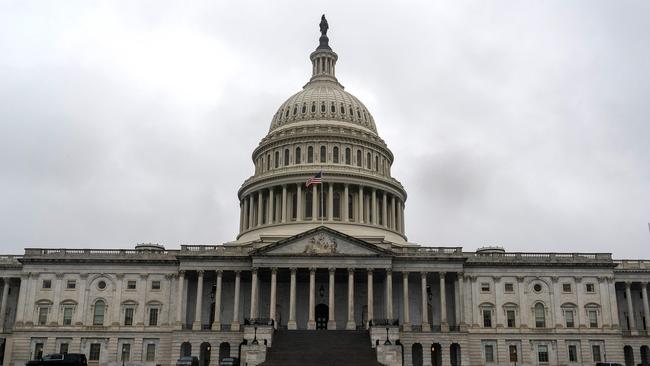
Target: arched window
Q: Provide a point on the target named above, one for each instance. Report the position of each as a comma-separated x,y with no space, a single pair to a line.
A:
313,107
369,161
376,163
310,154
224,350
416,354
337,205
297,157
359,162
295,110
186,349
342,109
304,108
348,157
322,107
98,312
277,159
268,162
333,108
540,315
286,157
323,154
335,155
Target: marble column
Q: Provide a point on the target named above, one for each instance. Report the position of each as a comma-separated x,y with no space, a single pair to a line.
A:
235,311
389,294
346,203
311,324
245,224
581,306
254,293
331,323
241,216
461,299
630,306
292,302
399,217
351,324
198,325
283,214
393,224
360,209
371,310
260,208
330,202
426,327
3,305
273,300
613,303
216,324
523,305
384,210
374,207
299,202
251,211
444,326
115,317
314,203
646,306
405,288
270,219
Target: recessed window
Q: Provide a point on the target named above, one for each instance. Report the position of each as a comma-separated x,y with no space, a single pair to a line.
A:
151,352
542,353
38,351
101,285
566,287
95,350
71,284
126,352
128,316
512,350
153,317
277,159
310,154
98,313
63,348
47,284
590,288
286,157
595,352
304,109
510,316
322,107
335,155
296,158
313,108
509,287
67,315
540,316
537,287
487,318
333,108
485,287
573,353
42,315
130,285
593,318
569,318
489,353
155,285
323,154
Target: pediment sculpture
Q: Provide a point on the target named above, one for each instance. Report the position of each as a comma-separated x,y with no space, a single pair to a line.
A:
321,244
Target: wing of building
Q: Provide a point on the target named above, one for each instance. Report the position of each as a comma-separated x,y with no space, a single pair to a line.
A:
321,272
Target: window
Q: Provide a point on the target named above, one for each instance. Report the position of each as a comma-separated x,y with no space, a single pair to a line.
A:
368,161
151,352
573,353
304,108
510,316
485,287
542,353
593,318
348,158
487,318
95,350
512,350
153,317
335,155
47,284
537,287
276,162
323,154
332,108
595,352
540,316
98,314
322,107
71,284
126,352
268,162
101,285
130,285
509,287
590,288
313,107
358,158
569,318
63,348
67,315
376,163
155,285
128,316
310,154
42,315
38,351
566,287
489,353
296,158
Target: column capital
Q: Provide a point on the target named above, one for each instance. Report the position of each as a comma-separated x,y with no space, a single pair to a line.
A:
237,272
370,270
181,273
628,284
578,278
271,189
442,274
520,278
346,185
406,273
293,270
460,274
274,270
168,276
351,270
82,275
59,275
312,270
497,278
219,272
602,279
389,271
555,279
332,270
424,274
144,276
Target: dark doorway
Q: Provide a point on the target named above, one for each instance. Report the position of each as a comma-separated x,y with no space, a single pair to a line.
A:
416,354
454,354
645,355
629,356
186,349
436,354
212,315
224,350
204,356
322,316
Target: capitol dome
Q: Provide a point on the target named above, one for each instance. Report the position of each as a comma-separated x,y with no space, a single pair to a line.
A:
322,129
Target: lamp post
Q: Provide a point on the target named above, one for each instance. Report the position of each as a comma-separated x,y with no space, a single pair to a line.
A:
255,342
387,343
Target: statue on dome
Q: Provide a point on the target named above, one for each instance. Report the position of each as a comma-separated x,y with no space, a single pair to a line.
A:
323,25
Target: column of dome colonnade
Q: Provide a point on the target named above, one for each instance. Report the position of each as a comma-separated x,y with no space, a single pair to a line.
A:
322,128
257,314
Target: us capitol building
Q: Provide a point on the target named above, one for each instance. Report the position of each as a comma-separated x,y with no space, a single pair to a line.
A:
323,266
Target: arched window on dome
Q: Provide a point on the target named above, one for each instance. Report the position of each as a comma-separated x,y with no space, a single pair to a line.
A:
333,108
297,157
335,155
286,157
308,203
322,107
359,162
268,162
368,161
376,163
323,154
295,110
358,114
348,157
310,154
540,315
286,114
313,107
276,163
304,108
337,206
351,111
342,110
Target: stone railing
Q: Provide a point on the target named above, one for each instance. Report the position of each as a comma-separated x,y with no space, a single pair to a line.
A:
431,251
213,250
7,260
632,264
100,254
525,257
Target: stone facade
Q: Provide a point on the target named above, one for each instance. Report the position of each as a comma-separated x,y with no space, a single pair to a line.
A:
325,256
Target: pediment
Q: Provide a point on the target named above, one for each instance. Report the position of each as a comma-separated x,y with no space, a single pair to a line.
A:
321,241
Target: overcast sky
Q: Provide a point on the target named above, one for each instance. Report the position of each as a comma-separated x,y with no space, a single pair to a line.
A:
515,123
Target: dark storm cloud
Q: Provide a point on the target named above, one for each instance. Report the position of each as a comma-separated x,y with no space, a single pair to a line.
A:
518,124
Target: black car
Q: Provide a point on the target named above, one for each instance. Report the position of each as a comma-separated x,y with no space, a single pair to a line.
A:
59,359
608,364
229,361
188,361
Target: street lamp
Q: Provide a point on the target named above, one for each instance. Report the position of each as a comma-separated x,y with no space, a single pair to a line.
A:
387,343
255,342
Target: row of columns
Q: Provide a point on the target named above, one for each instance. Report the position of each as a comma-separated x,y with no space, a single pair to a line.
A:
254,212
291,324
3,302
630,304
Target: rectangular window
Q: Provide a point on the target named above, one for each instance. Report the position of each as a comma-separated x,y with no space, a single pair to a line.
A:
128,316
566,287
568,318
542,353
153,317
590,288
42,315
509,287
595,352
95,350
510,316
151,352
487,318
489,353
512,350
485,287
573,353
71,284
130,285
38,351
47,284
67,315
593,318
63,348
155,285
126,352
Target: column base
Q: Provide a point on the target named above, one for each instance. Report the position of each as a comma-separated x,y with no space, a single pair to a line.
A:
331,325
216,326
234,326
426,327
196,326
444,327
350,325
291,325
311,325
406,327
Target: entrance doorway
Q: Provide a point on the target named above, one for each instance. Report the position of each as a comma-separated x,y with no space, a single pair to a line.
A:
436,354
322,316
204,355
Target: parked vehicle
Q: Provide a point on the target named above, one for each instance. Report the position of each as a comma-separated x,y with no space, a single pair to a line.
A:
229,361
58,359
188,361
608,364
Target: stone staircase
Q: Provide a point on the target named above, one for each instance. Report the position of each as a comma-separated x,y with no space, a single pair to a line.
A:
321,348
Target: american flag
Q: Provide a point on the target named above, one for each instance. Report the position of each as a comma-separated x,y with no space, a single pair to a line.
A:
316,179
